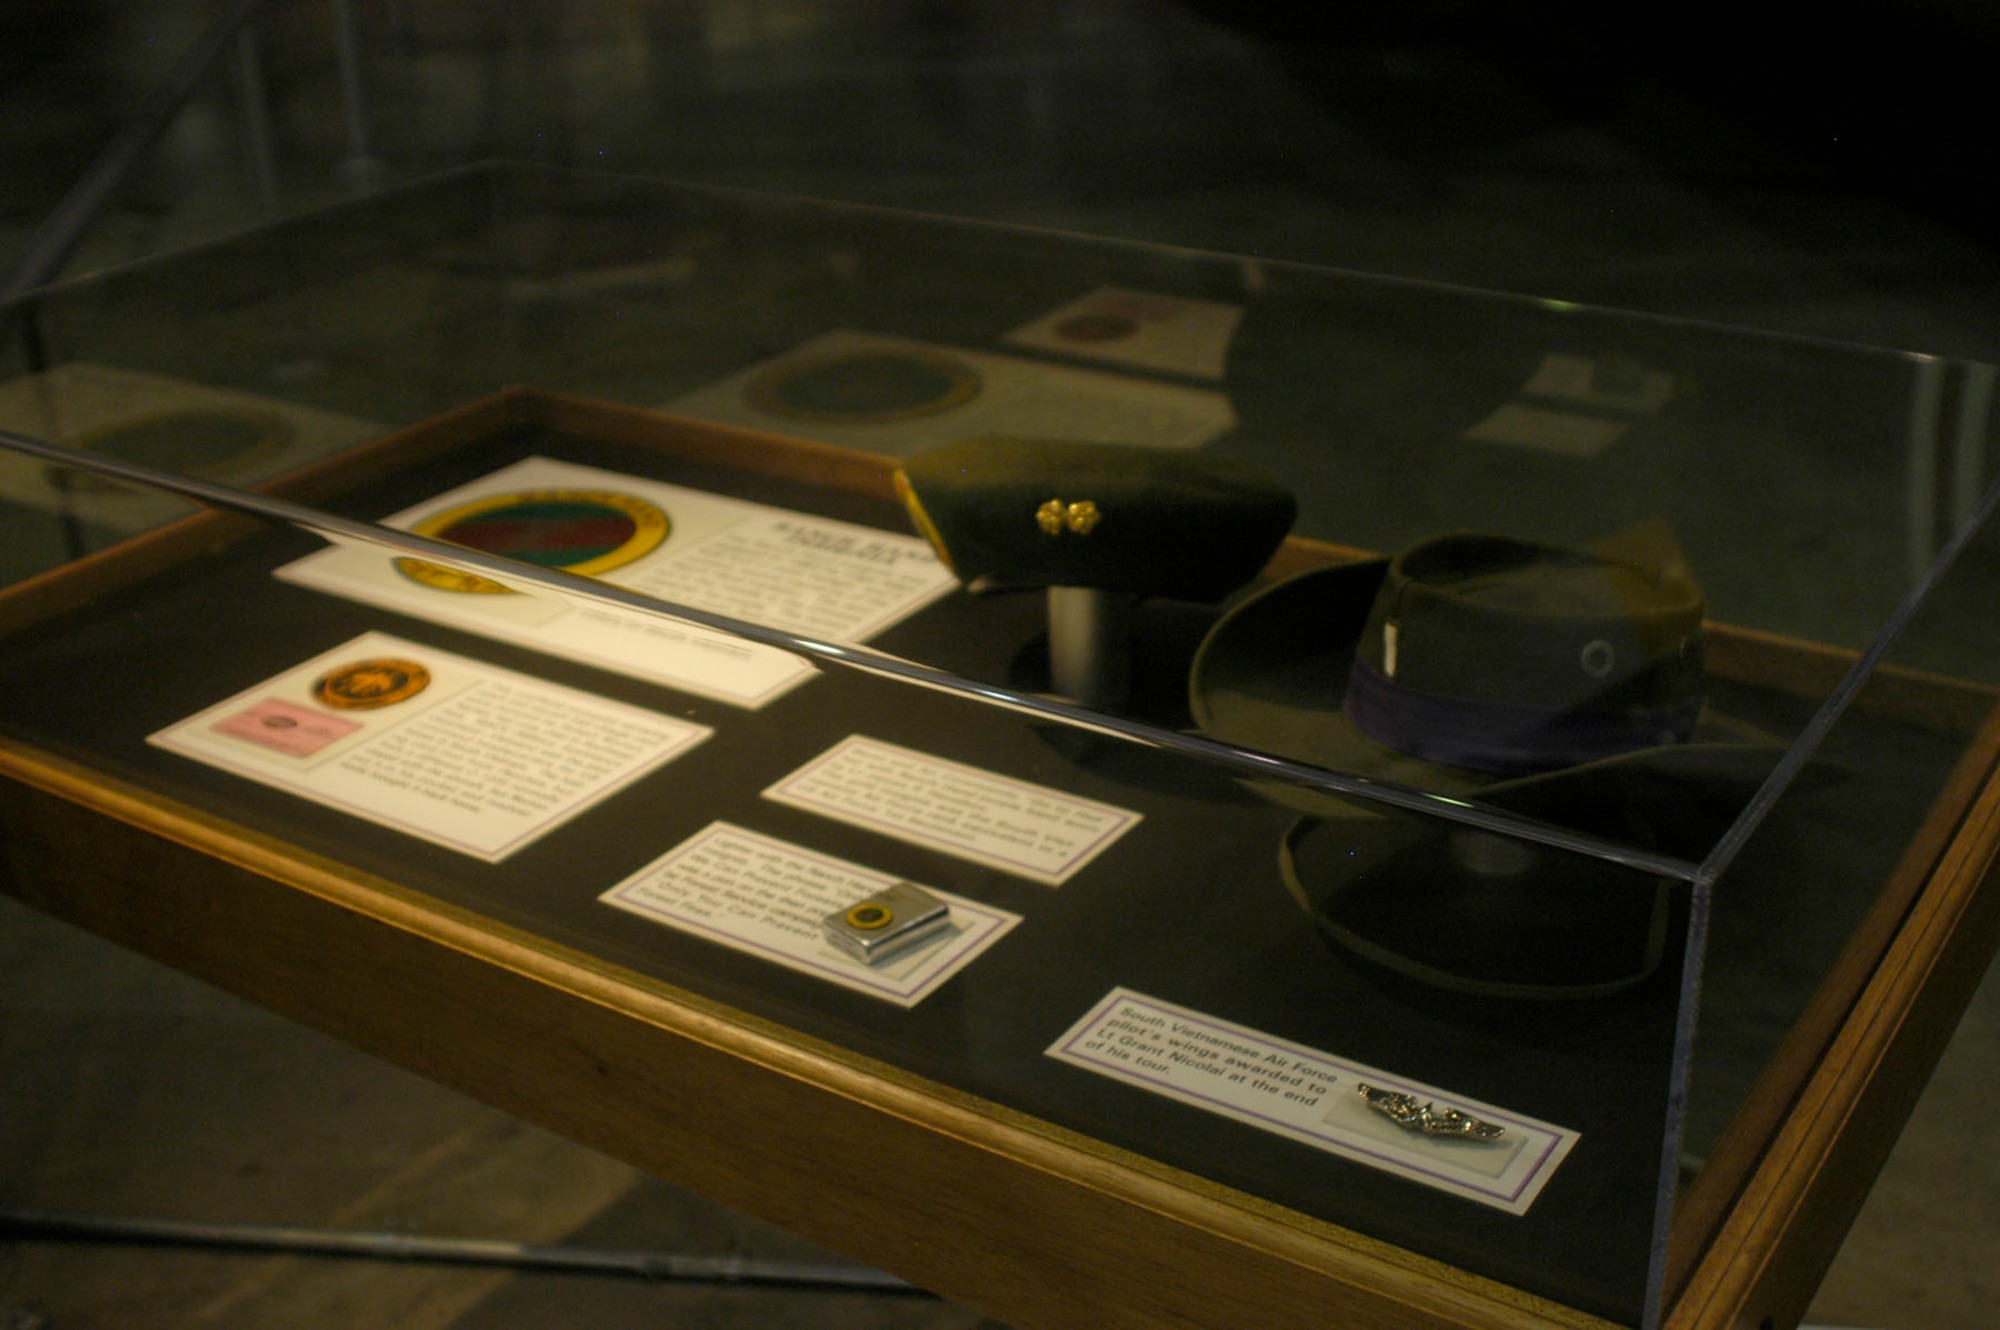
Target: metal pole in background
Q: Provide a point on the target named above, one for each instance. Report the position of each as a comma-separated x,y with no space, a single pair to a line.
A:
1975,408
1926,402
362,166
74,1226
257,119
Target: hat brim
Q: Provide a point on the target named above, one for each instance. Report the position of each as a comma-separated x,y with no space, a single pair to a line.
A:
1471,912
1271,675
1448,906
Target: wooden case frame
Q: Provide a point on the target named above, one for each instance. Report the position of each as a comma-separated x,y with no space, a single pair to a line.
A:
1037,1224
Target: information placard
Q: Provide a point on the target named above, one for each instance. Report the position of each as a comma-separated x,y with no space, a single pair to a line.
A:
1042,834
1143,329
1314,1098
807,575
761,895
460,753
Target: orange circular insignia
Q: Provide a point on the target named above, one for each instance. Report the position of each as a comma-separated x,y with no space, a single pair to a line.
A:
367,684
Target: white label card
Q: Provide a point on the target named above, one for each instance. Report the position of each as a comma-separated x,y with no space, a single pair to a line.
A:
767,897
462,754
950,393
1039,833
1145,329
810,576
191,429
1310,1097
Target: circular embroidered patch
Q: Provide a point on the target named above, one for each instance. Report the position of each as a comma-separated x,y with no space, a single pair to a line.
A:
579,531
368,684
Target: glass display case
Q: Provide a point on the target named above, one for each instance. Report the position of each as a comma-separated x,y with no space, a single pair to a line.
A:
1415,806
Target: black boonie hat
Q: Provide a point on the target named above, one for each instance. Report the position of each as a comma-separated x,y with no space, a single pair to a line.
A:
1560,684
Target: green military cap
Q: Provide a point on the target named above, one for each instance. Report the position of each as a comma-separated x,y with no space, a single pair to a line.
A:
1005,512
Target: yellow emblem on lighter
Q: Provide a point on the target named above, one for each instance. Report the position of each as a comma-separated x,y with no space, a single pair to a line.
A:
870,915
1056,517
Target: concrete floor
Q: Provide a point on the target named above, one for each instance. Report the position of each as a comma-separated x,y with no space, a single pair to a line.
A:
1527,153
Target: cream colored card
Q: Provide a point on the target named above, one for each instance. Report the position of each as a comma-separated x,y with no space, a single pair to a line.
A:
764,896
1310,1097
1603,383
463,754
891,395
1544,429
1142,329
1577,406
807,575
1042,834
190,429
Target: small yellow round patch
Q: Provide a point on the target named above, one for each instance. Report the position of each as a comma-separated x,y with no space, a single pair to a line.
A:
450,579
368,684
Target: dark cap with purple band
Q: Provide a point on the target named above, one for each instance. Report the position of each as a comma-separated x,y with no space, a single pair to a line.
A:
1465,662
1560,684
1510,657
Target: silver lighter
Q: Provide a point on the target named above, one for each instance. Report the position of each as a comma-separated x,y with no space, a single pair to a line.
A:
888,923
